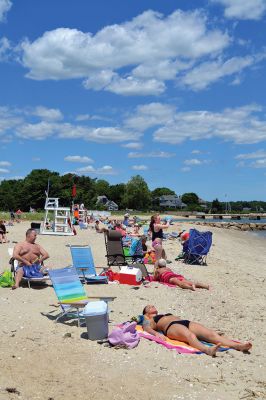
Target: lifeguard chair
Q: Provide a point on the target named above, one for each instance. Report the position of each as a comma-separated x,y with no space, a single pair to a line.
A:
57,220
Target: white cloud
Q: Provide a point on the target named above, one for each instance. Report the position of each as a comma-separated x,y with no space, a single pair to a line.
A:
99,135
153,154
36,159
5,164
196,152
83,117
39,131
185,169
140,167
150,115
133,145
78,159
105,170
212,71
193,161
243,125
256,154
48,114
152,48
18,122
4,171
259,164
5,47
243,9
5,6
110,81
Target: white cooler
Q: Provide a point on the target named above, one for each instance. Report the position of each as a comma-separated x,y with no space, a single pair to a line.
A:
96,317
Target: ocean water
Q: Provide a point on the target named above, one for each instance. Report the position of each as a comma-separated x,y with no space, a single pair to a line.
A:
257,233
239,221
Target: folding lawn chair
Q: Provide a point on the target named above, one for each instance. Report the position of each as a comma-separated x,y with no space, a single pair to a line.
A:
83,262
14,266
115,253
197,247
70,293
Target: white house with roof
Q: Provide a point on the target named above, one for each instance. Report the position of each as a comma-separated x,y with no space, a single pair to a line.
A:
171,200
109,204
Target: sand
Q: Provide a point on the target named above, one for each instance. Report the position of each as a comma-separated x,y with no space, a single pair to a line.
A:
40,361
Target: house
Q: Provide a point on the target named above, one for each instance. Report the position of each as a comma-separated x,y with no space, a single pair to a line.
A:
202,203
109,204
171,201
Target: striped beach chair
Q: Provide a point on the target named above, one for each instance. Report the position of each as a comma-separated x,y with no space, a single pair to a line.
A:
70,293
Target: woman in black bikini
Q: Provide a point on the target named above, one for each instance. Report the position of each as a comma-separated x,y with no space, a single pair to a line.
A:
187,331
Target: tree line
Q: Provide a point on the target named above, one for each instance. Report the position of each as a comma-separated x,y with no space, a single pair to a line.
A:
135,194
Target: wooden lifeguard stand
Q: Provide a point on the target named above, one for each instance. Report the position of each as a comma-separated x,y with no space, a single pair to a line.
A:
56,220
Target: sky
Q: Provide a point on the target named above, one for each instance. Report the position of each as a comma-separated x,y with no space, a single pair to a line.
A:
171,90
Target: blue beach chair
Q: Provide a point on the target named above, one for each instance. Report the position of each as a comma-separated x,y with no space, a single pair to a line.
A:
83,262
197,247
70,293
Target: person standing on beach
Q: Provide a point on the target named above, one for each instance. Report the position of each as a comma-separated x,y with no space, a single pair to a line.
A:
30,256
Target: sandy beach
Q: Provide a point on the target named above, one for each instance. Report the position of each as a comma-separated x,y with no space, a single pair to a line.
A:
40,361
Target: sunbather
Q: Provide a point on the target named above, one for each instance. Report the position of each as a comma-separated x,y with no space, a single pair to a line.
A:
164,274
30,256
175,328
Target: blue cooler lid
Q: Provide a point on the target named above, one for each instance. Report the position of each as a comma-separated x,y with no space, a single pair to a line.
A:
95,308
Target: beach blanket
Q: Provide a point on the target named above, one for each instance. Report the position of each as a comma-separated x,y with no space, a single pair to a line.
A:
180,347
151,279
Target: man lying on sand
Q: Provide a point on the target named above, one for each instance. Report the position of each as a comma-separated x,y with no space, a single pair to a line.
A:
164,274
30,256
187,331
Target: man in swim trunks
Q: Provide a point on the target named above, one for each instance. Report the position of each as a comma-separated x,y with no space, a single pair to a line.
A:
186,331
164,274
30,256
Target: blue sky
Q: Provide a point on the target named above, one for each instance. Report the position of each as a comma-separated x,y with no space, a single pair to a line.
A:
173,91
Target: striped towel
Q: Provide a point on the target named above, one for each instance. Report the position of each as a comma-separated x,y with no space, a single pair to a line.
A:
180,347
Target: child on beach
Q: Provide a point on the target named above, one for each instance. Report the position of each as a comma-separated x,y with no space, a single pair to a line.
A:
164,274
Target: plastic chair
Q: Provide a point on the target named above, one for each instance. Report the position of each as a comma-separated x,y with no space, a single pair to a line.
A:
70,293
83,262
14,266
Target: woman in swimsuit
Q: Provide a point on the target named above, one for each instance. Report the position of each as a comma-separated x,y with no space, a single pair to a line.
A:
156,227
187,331
164,274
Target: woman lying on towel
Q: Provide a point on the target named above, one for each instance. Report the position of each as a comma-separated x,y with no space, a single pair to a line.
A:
164,274
173,327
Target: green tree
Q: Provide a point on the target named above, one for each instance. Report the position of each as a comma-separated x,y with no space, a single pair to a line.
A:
137,194
190,198
117,194
162,191
216,206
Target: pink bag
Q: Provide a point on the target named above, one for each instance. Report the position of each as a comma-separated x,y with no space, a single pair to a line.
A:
125,336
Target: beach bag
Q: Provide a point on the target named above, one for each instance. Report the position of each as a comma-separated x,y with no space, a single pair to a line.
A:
6,279
124,336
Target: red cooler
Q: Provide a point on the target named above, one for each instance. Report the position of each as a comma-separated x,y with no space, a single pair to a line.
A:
130,276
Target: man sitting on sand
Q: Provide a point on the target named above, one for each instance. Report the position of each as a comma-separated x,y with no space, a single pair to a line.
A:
175,328
30,256
98,228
